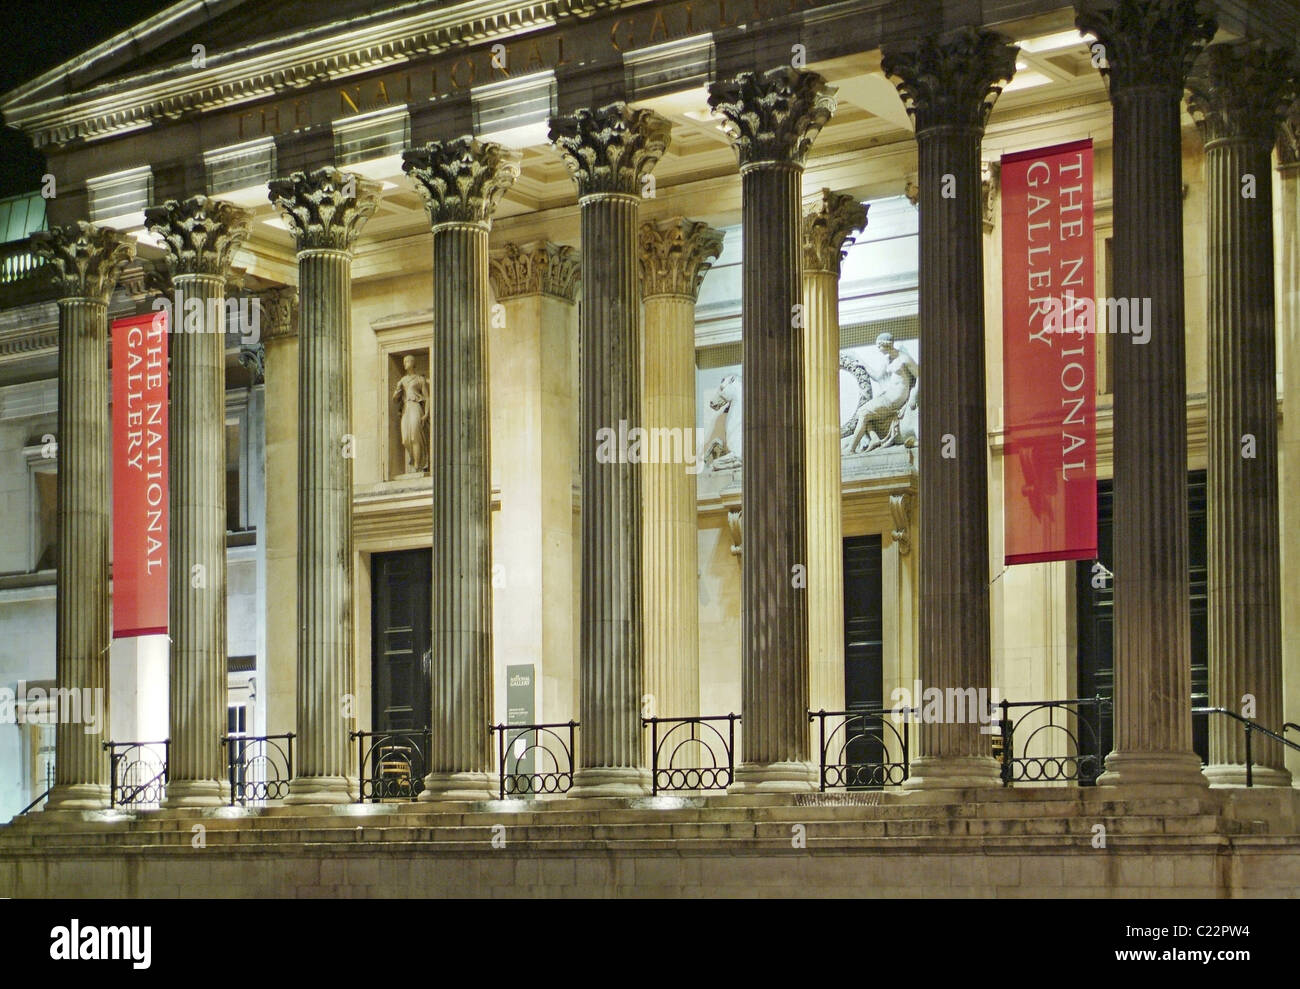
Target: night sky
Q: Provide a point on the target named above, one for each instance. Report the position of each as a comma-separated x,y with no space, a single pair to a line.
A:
38,36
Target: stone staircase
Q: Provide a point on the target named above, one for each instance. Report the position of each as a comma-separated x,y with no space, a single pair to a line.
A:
1062,840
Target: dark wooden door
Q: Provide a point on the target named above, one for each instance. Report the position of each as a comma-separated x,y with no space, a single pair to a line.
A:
400,617
1096,667
864,652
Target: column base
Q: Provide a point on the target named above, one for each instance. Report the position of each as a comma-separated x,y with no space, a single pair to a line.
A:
1234,774
320,790
196,793
78,796
459,786
953,773
1153,769
611,781
774,777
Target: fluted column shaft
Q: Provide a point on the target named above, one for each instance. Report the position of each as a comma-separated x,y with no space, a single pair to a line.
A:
197,576
1288,302
85,262
671,585
774,616
609,151
82,629
279,325
1153,732
825,522
826,231
462,505
325,210
1238,96
949,85
611,645
675,255
324,517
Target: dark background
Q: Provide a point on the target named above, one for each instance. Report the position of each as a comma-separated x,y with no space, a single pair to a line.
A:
38,36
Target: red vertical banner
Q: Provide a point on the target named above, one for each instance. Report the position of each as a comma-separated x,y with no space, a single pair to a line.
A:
140,492
1049,367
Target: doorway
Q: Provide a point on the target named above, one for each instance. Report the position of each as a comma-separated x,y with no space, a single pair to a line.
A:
401,690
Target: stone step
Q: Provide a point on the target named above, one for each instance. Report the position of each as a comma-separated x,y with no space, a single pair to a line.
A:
329,831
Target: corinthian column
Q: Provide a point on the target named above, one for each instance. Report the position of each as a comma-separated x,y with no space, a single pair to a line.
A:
534,451
279,324
1238,96
325,210
675,256
1288,167
609,151
773,119
1149,46
200,237
827,231
86,262
461,182
949,86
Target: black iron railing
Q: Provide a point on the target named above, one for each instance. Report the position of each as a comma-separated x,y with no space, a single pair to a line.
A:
49,785
535,759
259,767
862,749
1252,728
391,765
137,773
691,753
1051,741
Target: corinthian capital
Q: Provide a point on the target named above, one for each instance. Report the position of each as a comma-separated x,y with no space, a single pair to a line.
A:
200,235
828,227
325,208
279,312
773,116
675,255
86,259
952,79
610,149
1146,42
534,269
1241,91
461,181
1288,140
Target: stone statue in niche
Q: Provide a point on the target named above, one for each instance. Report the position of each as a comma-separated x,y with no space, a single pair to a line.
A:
412,396
721,449
886,414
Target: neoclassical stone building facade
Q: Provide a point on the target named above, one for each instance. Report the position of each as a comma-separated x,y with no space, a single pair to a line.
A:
563,221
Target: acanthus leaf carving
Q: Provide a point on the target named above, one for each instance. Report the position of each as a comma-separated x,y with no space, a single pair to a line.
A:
828,231
86,260
461,181
773,116
325,209
612,148
675,255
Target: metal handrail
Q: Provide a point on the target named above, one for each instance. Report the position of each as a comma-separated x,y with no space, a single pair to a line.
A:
1079,765
116,757
34,802
711,777
1250,728
885,773
379,787
553,780
261,789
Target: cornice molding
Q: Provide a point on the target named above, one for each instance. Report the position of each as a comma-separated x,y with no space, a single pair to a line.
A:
280,65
